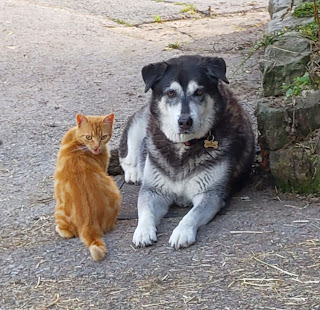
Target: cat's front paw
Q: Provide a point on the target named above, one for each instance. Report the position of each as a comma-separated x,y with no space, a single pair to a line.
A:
64,233
182,236
144,235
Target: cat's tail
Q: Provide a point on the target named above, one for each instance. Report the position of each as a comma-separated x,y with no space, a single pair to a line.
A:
98,250
95,244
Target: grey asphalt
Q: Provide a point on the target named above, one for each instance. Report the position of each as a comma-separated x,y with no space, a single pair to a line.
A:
59,58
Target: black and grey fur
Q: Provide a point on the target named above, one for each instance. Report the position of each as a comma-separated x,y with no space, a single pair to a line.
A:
163,146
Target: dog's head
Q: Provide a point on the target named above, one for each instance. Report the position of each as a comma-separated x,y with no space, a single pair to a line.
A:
185,96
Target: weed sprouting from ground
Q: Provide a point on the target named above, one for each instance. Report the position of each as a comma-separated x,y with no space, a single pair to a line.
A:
173,45
187,8
309,31
157,19
310,9
122,22
299,84
304,10
191,9
259,44
266,41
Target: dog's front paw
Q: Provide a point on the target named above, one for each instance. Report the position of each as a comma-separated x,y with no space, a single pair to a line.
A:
182,237
130,173
144,235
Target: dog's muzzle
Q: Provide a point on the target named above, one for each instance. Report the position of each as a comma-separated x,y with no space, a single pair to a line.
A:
185,122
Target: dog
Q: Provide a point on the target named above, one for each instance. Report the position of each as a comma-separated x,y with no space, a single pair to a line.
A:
193,144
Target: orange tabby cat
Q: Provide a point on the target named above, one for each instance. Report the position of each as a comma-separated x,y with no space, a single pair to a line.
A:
88,200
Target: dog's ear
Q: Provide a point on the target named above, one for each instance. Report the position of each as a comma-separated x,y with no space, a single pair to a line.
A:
216,67
153,73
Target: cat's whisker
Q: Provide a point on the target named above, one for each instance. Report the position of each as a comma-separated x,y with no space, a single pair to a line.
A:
81,148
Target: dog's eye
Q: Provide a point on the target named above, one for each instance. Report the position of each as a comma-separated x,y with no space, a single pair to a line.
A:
171,93
198,92
88,137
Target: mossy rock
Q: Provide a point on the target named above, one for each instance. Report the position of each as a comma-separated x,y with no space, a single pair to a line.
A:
283,124
297,168
272,125
283,19
283,61
314,70
278,5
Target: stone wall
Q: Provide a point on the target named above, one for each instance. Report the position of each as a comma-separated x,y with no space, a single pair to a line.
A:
289,128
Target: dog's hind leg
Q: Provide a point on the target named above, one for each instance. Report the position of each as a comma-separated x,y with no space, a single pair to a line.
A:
206,206
152,207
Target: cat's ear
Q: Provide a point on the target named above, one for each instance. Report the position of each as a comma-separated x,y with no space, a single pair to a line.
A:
109,118
81,119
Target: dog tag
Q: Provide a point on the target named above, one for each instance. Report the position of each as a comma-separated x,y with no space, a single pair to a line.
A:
208,143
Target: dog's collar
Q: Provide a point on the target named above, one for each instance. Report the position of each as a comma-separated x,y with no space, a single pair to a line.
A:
209,141
193,141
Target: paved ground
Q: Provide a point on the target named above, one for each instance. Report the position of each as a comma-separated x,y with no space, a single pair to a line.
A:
58,58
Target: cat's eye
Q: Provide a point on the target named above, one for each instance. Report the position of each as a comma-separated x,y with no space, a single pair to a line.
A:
88,137
171,93
198,92
105,137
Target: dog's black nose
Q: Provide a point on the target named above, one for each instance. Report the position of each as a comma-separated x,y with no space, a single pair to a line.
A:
185,122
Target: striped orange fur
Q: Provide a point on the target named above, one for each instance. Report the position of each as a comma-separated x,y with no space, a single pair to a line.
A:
88,200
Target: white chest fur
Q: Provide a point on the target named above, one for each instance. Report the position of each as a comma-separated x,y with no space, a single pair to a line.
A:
184,189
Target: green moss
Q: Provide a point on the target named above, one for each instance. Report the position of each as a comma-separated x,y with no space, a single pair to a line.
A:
297,169
286,183
300,188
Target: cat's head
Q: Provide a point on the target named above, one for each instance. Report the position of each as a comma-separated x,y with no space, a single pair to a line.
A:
94,131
